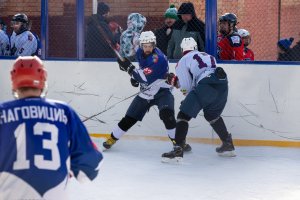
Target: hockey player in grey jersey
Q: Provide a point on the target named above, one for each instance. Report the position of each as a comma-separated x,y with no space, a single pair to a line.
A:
22,41
206,87
4,41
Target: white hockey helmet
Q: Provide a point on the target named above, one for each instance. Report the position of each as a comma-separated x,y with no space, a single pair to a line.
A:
243,33
147,37
188,44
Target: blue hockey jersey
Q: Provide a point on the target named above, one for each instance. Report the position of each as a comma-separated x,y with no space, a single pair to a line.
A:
151,73
42,142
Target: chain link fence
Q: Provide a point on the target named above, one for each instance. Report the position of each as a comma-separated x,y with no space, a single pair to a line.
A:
270,29
22,42
271,24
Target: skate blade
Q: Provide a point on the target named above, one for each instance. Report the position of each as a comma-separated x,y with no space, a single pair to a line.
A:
171,160
227,154
104,149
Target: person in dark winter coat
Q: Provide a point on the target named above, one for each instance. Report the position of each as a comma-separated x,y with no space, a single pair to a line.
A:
296,52
163,35
99,35
187,26
285,53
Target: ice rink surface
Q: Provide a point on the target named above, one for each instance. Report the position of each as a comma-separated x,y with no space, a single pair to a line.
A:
132,170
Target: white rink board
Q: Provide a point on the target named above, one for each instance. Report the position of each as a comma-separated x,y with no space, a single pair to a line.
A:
263,102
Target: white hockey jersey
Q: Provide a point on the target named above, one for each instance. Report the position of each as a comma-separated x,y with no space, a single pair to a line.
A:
24,44
4,44
193,67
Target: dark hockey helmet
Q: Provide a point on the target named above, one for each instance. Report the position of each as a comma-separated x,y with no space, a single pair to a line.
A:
20,17
230,18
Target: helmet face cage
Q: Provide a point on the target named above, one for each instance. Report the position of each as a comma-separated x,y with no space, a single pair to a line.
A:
28,72
147,37
188,44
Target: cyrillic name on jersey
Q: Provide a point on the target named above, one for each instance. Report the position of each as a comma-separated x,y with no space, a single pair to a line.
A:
33,112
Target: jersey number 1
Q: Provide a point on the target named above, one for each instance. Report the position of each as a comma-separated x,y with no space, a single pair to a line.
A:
202,64
39,161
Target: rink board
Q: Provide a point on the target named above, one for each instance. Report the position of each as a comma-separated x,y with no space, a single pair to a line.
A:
262,108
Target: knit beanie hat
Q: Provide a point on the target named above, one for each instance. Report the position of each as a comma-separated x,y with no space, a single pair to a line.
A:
285,44
102,8
171,12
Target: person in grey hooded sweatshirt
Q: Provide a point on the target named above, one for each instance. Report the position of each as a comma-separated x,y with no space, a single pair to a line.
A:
129,40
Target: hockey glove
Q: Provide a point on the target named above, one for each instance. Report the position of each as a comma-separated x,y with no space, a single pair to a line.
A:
126,65
220,73
134,83
172,79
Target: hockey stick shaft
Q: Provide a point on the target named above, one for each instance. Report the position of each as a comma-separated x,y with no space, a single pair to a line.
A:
108,41
112,106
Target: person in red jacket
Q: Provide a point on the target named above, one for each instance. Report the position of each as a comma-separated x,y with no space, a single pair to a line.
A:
248,53
230,43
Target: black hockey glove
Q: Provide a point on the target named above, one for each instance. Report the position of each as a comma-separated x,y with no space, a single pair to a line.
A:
220,73
172,79
134,83
126,65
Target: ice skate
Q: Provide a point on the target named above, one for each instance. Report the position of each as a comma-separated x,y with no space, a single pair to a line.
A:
227,148
186,147
175,155
109,142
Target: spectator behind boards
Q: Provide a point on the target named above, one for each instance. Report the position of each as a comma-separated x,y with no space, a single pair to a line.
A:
99,35
129,41
285,52
230,43
296,52
22,41
43,142
188,25
248,53
163,35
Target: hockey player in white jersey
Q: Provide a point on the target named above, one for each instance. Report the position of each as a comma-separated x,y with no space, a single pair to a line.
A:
4,41
206,88
42,141
22,41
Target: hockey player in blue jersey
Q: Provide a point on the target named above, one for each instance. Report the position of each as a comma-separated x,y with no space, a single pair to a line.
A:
22,41
206,88
42,141
153,68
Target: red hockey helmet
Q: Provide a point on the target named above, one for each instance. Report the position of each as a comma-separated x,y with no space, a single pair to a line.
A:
28,71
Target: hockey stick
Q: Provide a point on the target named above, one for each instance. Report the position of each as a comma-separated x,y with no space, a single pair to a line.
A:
112,106
108,41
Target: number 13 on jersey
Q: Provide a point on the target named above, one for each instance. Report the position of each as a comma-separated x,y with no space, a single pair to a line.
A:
39,161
